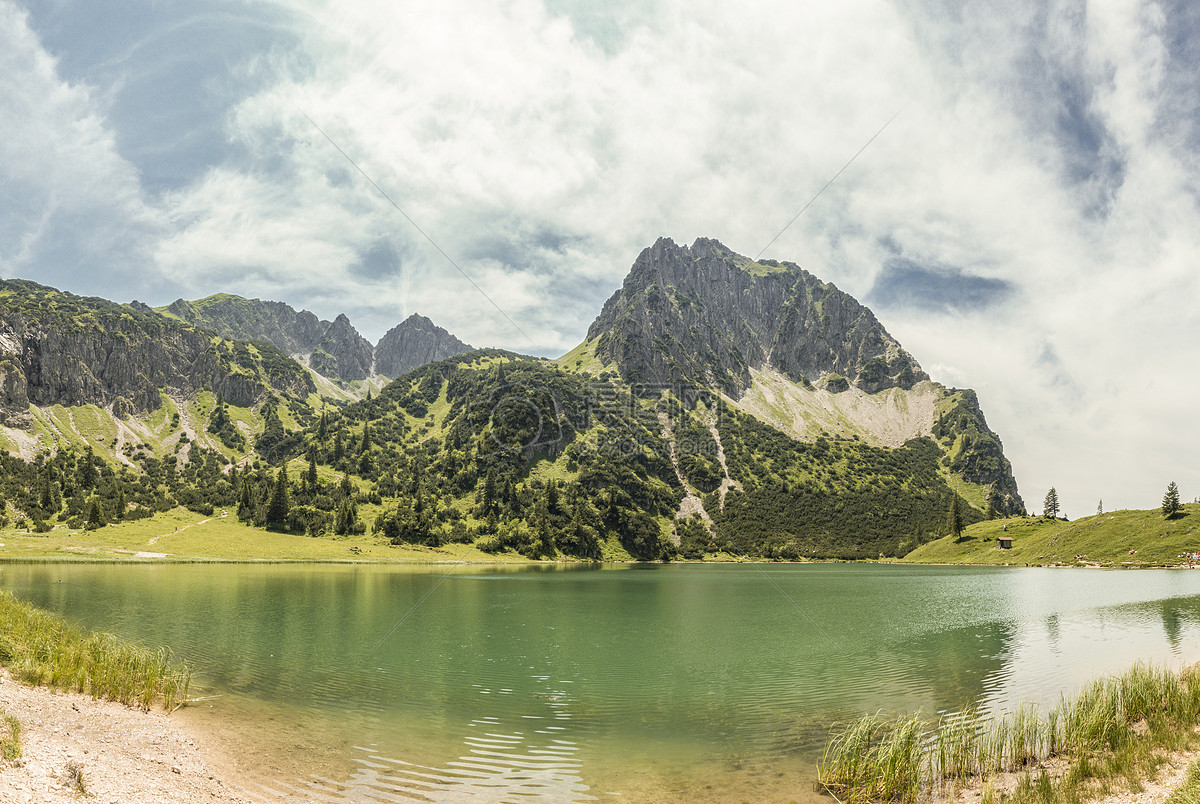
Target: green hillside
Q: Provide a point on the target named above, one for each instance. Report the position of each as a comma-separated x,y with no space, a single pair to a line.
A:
118,413
1117,539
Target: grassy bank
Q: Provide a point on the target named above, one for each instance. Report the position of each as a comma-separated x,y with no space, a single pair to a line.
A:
1115,730
182,535
40,648
1117,539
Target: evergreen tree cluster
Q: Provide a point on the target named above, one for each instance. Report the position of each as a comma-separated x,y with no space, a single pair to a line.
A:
513,453
833,498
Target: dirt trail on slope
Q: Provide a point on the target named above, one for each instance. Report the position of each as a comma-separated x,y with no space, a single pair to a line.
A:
154,539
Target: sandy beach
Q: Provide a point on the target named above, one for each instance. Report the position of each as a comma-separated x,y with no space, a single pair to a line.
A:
124,755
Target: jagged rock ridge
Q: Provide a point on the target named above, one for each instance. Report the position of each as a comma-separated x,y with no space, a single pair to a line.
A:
333,349
413,343
707,315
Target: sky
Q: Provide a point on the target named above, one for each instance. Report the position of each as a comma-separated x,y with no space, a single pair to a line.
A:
1027,224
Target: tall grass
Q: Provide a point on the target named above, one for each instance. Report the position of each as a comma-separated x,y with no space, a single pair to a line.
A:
876,760
41,648
1108,729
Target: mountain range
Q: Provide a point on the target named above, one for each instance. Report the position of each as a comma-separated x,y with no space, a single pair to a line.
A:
717,405
334,349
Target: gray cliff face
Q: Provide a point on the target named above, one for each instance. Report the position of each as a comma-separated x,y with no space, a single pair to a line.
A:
57,348
254,320
707,315
413,343
342,352
335,348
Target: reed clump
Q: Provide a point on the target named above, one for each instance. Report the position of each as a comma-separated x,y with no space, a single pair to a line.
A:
1111,728
41,648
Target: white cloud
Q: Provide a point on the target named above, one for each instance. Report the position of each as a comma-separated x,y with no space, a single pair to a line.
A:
68,195
1039,146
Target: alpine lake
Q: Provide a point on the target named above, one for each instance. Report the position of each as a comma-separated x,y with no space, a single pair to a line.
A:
529,683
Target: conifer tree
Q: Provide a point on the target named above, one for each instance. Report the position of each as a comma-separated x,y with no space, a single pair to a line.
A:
311,477
1170,503
87,471
488,503
245,511
121,505
95,513
994,502
279,506
1050,504
954,520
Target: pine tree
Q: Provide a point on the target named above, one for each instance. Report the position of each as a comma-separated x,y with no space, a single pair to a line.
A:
311,477
245,511
1170,503
488,503
345,518
119,513
87,471
278,507
95,514
366,439
954,520
994,502
1051,504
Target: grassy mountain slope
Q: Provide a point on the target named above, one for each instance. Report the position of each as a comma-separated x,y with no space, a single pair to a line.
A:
60,349
512,452
1103,539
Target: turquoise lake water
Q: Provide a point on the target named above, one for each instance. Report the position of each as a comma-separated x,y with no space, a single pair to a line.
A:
624,683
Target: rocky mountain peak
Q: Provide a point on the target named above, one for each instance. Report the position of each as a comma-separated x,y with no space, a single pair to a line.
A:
413,343
705,314
333,349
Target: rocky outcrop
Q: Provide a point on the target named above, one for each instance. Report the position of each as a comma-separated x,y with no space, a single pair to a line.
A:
58,348
334,349
413,343
342,352
706,315
253,320
973,450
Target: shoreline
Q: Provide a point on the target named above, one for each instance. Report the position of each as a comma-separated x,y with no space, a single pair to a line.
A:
524,562
123,754
132,756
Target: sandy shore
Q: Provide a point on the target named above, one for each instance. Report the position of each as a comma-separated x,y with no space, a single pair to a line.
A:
126,756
